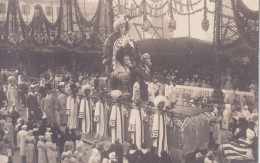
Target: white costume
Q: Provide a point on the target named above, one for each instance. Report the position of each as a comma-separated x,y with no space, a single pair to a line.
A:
116,121
159,130
136,126
72,112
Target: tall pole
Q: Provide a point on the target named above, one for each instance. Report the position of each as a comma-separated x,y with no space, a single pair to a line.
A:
162,17
188,7
144,16
85,9
51,12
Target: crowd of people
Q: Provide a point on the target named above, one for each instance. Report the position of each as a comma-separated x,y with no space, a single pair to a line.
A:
235,76
57,111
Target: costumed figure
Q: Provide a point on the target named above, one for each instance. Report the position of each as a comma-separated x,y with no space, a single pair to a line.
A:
100,117
51,150
85,110
30,148
168,94
122,59
226,116
13,93
61,102
116,121
33,111
159,130
72,107
136,91
41,147
21,141
136,126
48,106
152,89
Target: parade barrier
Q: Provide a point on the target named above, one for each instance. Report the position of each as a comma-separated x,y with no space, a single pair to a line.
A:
207,92
187,127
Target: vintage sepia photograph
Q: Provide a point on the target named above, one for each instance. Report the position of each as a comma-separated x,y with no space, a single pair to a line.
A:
129,81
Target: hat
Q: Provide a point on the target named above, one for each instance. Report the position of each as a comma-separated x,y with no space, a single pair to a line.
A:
198,155
11,78
210,154
250,134
24,127
30,132
44,116
41,138
158,100
86,87
118,22
115,94
61,84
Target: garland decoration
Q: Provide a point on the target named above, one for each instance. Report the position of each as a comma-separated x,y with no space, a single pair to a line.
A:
70,31
205,21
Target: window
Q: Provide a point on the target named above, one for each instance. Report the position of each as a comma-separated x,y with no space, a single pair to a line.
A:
48,11
26,9
2,8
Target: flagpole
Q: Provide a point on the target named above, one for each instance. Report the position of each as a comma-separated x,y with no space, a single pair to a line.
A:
188,7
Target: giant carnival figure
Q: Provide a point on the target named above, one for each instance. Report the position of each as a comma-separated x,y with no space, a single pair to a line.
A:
123,60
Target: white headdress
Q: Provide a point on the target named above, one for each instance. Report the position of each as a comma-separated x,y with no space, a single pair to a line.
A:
158,100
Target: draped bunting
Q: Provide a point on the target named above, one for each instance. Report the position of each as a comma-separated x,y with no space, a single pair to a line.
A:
236,26
71,29
158,9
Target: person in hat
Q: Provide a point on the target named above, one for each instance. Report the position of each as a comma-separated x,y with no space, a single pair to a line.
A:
30,147
33,111
60,104
123,47
85,110
136,126
48,106
159,130
21,137
116,121
210,158
72,107
13,93
100,117
41,147
51,150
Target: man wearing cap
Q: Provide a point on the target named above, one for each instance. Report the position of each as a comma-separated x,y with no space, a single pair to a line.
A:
32,104
48,106
21,141
159,130
100,117
60,104
85,110
116,121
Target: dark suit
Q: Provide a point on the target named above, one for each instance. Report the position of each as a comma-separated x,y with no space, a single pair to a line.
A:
32,104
